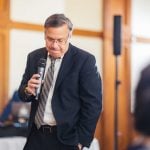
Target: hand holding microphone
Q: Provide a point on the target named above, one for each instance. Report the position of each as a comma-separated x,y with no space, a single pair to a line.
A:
35,83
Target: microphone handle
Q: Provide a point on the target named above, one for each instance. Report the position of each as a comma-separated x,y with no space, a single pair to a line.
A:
41,73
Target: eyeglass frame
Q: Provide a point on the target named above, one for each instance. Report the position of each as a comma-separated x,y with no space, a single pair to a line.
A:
60,42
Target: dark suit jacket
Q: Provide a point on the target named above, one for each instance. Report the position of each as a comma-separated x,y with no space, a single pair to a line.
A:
77,98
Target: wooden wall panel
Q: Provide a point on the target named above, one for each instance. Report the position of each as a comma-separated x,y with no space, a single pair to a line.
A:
4,12
4,49
3,68
1,71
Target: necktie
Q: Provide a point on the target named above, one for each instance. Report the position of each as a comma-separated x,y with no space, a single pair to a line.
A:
44,94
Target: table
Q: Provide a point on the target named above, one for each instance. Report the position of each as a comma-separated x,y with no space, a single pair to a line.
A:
12,143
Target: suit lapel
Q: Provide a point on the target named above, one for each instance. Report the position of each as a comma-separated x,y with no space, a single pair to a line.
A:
66,65
42,54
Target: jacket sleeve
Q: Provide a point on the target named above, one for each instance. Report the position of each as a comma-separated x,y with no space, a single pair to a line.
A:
91,100
26,76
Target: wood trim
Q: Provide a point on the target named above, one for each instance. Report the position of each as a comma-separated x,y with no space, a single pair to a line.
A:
4,65
4,52
35,27
4,9
25,26
88,33
1,71
1,5
141,39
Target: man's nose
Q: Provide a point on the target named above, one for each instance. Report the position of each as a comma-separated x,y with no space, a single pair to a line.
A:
55,43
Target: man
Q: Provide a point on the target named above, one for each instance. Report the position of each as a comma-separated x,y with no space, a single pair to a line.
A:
142,112
66,117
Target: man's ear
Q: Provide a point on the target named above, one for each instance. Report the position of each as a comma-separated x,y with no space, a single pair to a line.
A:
70,34
44,34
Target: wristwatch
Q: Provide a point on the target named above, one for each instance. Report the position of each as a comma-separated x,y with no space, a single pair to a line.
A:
26,91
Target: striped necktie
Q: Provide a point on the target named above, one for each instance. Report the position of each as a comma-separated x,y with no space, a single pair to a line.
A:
44,94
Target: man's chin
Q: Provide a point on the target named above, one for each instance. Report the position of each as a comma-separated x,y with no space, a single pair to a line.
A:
55,55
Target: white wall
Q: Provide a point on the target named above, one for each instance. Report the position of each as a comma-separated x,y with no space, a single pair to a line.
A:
94,46
86,14
36,11
140,18
21,43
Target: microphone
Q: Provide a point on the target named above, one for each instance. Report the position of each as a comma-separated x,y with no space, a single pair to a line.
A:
40,71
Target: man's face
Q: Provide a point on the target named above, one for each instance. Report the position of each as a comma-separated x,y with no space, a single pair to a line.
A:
57,40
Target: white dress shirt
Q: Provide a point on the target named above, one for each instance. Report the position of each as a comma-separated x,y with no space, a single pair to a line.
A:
48,114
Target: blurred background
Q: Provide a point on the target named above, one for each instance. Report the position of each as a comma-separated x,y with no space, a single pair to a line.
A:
21,31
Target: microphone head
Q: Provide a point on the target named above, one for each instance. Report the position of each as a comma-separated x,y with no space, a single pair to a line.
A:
42,62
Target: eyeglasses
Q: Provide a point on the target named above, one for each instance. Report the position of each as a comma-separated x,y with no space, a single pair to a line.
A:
62,41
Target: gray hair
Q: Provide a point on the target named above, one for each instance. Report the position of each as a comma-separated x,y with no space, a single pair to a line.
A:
57,20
